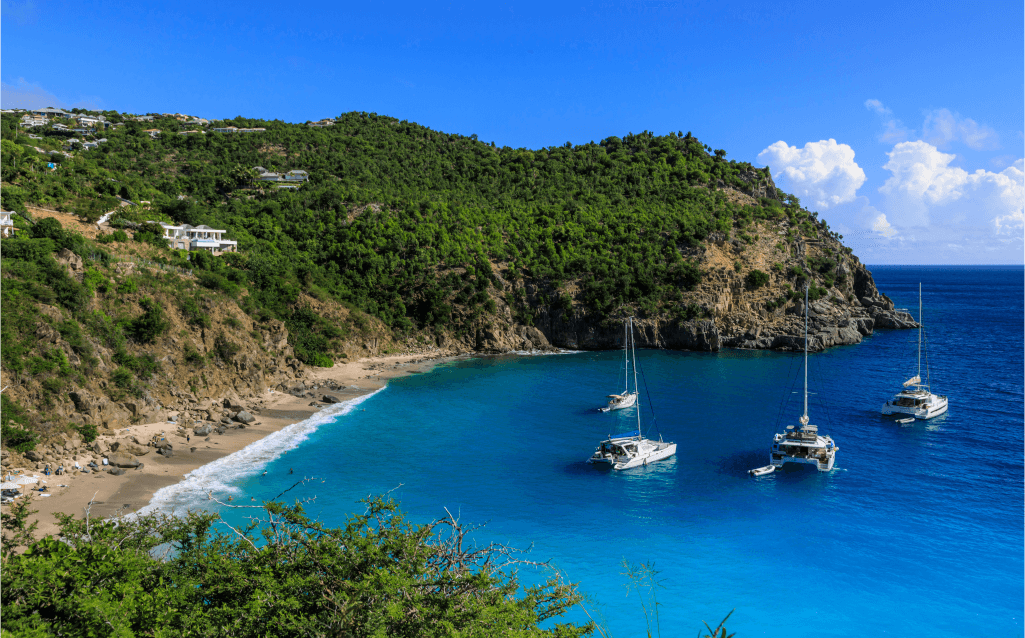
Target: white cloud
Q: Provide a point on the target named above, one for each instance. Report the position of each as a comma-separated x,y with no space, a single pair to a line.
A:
895,130
823,172
941,127
883,227
878,107
925,190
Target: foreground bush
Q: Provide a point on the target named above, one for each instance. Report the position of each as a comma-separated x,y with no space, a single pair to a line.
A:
283,575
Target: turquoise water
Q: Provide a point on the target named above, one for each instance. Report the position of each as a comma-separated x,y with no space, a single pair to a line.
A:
917,532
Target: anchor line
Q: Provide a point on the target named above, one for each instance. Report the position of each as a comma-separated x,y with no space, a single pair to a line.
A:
651,406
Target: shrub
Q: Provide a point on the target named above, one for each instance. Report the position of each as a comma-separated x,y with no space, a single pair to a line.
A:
88,432
127,286
123,378
756,279
224,349
12,421
150,325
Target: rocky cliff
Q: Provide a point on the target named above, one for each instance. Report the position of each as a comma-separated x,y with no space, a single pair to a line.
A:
750,296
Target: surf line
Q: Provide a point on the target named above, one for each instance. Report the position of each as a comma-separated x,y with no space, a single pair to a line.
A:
219,476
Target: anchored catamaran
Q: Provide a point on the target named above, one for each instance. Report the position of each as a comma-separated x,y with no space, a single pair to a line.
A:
804,444
630,449
917,399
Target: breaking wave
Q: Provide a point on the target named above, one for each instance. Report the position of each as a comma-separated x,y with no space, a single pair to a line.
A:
221,476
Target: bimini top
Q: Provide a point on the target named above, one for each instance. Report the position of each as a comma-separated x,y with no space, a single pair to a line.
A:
617,396
625,435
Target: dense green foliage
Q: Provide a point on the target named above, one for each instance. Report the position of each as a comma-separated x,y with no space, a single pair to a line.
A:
287,575
411,225
12,423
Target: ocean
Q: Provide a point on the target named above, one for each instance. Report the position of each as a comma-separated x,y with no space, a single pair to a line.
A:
918,531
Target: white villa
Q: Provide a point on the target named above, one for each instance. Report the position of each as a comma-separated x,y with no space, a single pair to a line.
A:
186,237
6,223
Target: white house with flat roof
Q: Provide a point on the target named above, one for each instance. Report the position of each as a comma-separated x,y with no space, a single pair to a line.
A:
202,237
6,223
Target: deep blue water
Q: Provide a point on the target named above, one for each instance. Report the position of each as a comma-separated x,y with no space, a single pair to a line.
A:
917,532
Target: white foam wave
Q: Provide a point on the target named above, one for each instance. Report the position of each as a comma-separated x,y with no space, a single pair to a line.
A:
218,478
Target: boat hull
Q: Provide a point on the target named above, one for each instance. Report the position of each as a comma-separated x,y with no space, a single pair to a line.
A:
658,451
919,412
664,451
821,466
628,402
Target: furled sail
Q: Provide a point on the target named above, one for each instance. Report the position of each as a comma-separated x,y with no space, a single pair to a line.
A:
915,380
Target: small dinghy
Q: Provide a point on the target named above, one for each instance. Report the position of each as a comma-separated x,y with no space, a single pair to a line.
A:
762,471
906,422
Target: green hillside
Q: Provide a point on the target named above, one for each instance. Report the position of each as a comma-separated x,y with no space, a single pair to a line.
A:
409,224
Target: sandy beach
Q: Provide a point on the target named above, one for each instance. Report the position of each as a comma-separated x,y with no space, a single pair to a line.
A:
105,495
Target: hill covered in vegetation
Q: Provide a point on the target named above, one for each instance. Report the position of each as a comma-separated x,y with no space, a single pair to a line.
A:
403,237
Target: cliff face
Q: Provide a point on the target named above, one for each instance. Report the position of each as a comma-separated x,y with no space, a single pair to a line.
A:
750,296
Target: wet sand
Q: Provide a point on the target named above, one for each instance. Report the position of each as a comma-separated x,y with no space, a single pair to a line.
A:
103,495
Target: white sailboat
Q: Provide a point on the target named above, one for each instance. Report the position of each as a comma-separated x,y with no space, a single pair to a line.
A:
626,399
803,444
631,449
916,399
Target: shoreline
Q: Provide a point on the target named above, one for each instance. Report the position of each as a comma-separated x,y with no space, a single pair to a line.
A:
102,495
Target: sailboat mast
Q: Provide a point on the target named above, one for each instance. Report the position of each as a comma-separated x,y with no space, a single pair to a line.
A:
805,353
633,353
626,358
919,333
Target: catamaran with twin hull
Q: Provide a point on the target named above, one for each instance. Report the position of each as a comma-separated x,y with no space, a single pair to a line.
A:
803,444
917,399
631,449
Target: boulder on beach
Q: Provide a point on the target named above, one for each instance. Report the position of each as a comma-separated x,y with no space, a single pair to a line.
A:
119,459
202,430
244,417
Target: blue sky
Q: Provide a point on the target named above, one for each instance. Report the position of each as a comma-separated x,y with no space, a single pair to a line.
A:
901,123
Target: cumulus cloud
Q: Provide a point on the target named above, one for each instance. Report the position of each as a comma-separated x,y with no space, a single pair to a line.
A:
894,130
883,227
941,127
822,173
924,189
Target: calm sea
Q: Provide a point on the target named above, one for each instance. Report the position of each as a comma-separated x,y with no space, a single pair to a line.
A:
917,532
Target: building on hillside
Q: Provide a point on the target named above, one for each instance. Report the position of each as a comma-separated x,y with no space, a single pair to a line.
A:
7,223
251,130
297,176
321,123
267,176
28,121
226,129
49,112
202,237
153,132
59,127
89,120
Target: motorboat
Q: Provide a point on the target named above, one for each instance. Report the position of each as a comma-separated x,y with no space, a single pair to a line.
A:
803,444
916,400
631,449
